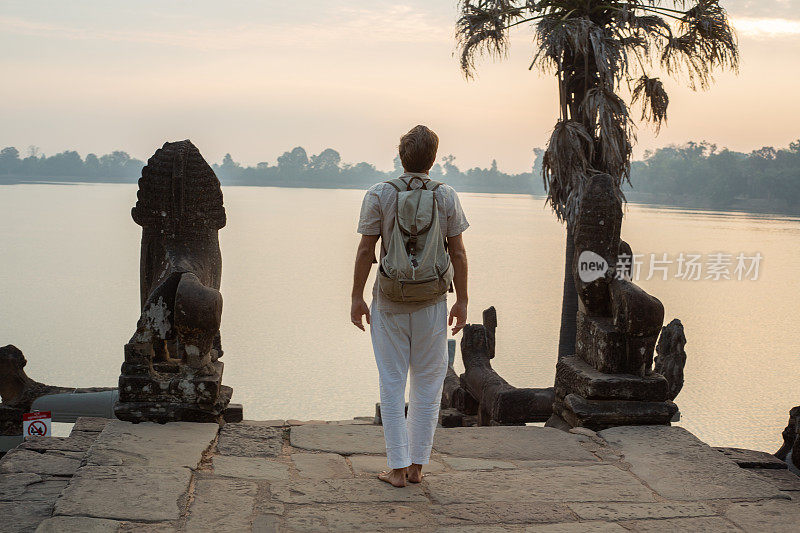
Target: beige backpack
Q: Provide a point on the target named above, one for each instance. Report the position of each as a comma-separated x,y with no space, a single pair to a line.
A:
416,266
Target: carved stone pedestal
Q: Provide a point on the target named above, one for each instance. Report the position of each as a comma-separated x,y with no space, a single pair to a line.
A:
169,392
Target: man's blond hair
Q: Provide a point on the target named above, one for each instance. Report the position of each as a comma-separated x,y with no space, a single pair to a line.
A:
418,149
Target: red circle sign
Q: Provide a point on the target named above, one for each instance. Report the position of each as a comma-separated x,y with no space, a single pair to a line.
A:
37,428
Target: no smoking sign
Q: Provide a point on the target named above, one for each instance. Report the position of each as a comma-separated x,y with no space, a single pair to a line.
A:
36,424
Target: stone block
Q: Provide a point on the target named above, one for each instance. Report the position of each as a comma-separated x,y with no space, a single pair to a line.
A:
602,414
680,467
222,505
344,440
752,458
177,444
234,413
321,466
636,313
373,464
78,524
90,424
47,490
78,443
510,443
48,464
615,511
775,516
784,480
500,513
706,524
24,517
247,440
250,468
12,486
451,418
577,527
600,344
596,483
573,375
344,491
468,463
355,517
135,493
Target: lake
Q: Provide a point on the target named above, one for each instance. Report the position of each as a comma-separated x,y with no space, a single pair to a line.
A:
69,299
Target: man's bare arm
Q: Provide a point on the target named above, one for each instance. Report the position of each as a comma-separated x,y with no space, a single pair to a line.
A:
365,255
458,256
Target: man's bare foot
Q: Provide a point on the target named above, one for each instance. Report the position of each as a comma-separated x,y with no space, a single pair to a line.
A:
414,473
396,477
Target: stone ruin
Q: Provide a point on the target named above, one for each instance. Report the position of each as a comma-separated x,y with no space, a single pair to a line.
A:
172,369
18,391
480,396
610,380
790,451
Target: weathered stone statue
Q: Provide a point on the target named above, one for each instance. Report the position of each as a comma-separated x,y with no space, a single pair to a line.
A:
480,390
609,381
172,369
18,391
671,356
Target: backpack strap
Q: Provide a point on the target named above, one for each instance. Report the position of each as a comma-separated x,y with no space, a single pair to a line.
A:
396,183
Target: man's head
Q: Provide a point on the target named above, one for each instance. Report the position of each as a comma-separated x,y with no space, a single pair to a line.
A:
418,149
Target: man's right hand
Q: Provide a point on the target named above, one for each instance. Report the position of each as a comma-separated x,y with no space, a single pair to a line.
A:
357,310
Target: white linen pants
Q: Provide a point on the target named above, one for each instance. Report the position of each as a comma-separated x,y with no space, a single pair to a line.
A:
417,342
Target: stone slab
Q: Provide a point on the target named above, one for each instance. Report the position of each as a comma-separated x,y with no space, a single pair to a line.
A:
90,424
467,463
679,466
267,523
614,511
222,505
706,524
547,484
136,493
500,513
14,485
19,517
345,440
78,524
49,464
45,491
574,375
321,465
782,479
601,414
147,444
250,468
578,527
511,442
769,515
249,440
373,464
355,517
265,423
752,458
78,443
344,491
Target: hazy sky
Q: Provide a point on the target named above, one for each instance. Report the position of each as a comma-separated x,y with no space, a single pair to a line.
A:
256,78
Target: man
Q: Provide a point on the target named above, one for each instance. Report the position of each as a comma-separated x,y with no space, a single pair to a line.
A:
409,335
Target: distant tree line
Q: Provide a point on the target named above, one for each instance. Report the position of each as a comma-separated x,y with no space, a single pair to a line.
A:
692,174
701,175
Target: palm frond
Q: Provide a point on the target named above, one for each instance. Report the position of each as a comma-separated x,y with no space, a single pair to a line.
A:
482,28
565,165
708,42
654,100
614,130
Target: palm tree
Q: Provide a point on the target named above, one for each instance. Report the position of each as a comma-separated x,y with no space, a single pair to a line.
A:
598,49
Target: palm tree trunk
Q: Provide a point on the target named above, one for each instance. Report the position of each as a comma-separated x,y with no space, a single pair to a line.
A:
569,302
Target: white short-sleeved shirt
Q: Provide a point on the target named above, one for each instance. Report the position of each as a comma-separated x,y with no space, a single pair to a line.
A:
378,211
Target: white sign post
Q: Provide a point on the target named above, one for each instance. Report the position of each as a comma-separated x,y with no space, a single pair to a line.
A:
37,424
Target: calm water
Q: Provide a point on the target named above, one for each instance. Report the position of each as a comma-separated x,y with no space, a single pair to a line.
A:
69,293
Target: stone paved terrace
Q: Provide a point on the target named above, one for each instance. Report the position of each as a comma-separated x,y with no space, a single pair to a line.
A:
317,476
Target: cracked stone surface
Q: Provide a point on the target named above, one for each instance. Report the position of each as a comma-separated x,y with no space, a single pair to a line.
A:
250,440
222,505
512,442
679,466
321,466
50,464
503,479
250,468
555,484
342,439
137,493
176,444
